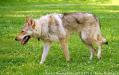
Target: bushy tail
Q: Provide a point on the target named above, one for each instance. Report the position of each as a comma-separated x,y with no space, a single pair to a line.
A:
102,39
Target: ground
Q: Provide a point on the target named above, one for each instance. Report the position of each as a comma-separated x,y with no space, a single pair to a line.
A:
16,59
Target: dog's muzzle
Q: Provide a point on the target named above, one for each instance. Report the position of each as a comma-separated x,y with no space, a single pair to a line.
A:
24,40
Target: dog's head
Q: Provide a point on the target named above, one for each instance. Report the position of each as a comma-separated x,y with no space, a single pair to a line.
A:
27,31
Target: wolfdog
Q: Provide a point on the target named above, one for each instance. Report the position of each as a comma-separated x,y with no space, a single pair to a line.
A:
58,27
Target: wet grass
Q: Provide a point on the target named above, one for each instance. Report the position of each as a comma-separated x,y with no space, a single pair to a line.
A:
16,59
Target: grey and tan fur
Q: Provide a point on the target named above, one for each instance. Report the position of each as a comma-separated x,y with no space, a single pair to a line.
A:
57,27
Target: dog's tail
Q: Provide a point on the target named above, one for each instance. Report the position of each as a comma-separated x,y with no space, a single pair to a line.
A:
102,39
100,36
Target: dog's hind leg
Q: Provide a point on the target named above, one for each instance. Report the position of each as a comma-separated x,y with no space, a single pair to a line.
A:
99,44
64,45
88,43
92,51
45,52
100,41
99,52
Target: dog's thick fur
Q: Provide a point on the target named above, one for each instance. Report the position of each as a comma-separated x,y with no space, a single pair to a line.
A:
57,27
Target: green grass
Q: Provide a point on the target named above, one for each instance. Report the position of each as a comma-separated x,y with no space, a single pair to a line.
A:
16,59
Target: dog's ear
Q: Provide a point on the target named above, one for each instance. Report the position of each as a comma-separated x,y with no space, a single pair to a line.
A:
30,21
27,18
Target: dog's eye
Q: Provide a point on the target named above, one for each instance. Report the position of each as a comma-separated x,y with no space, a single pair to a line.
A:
22,31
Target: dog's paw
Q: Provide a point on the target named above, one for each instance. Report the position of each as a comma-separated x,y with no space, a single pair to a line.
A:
91,58
69,61
99,56
41,63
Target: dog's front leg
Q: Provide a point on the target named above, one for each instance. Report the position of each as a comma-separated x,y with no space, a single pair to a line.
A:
45,52
64,45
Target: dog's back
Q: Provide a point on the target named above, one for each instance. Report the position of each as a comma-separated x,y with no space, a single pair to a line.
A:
78,21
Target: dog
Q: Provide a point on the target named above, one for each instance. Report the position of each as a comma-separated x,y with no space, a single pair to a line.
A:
58,27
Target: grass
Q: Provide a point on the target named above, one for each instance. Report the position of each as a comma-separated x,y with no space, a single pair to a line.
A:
16,59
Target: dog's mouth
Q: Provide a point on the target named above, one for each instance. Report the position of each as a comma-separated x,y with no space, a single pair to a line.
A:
25,39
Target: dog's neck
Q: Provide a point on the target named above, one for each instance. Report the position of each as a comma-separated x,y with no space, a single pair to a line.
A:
41,25
37,29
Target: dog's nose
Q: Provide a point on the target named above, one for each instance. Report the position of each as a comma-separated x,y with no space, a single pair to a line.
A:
16,39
